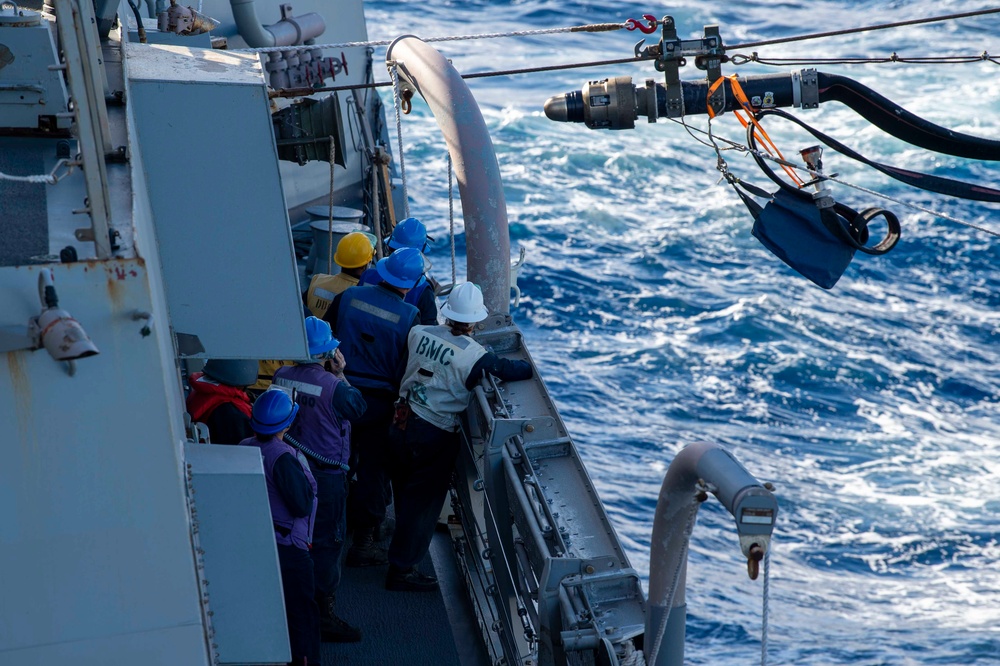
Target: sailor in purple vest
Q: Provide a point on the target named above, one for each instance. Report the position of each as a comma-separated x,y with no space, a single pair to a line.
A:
411,232
327,404
291,492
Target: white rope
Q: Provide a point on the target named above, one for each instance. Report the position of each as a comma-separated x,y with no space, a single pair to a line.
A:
451,221
597,27
394,73
688,528
763,620
632,656
48,179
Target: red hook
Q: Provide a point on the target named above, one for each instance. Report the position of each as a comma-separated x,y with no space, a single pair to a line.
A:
632,24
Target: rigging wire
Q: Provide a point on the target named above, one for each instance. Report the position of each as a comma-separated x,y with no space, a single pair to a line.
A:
298,92
870,28
606,27
451,220
734,145
394,71
593,27
609,27
736,59
740,59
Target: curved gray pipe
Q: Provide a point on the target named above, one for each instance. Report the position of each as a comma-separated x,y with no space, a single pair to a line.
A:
290,30
483,204
676,507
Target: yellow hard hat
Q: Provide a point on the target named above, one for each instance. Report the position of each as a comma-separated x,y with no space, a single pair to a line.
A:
354,251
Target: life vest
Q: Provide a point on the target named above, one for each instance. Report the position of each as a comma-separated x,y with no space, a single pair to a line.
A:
289,530
436,369
265,373
322,289
372,324
207,394
318,426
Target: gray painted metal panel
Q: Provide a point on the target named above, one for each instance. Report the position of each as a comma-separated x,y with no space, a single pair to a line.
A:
28,87
586,589
95,543
484,206
190,142
161,647
241,559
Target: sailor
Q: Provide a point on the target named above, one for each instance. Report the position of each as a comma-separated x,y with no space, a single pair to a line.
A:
373,323
411,232
265,375
327,404
219,399
291,492
354,255
443,366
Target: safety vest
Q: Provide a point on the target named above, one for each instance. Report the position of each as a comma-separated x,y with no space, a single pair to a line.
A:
265,373
372,324
318,426
322,289
289,530
436,370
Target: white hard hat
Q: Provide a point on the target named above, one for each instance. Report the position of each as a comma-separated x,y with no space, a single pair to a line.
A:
465,304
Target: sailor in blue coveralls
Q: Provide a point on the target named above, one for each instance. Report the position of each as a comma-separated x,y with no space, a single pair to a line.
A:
444,364
327,404
411,232
291,493
372,323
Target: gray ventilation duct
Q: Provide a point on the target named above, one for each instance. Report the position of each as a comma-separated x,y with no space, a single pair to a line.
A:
289,31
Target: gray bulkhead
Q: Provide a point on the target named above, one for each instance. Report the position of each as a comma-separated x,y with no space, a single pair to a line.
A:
99,545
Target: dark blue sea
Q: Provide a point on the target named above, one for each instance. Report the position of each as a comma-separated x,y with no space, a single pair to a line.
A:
658,320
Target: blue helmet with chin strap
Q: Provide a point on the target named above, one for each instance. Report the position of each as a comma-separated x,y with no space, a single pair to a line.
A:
273,412
320,337
402,268
411,232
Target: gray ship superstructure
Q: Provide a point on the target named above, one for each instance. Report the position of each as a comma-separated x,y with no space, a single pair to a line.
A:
150,182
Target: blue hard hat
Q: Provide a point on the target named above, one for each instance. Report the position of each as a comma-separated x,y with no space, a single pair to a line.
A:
273,412
319,336
411,232
402,268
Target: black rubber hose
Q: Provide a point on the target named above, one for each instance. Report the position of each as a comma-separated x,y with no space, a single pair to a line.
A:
900,123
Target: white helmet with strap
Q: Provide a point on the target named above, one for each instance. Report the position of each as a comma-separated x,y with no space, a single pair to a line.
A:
465,304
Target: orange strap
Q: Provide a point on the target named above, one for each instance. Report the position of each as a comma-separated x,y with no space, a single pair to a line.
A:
741,97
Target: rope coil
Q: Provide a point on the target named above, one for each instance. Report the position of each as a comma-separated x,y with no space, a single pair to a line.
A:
51,178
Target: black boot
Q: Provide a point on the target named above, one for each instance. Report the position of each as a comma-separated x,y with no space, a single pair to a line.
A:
364,552
332,628
409,580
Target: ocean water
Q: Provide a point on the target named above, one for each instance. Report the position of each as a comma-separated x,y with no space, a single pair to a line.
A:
657,320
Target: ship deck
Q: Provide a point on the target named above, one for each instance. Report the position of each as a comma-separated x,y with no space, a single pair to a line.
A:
411,628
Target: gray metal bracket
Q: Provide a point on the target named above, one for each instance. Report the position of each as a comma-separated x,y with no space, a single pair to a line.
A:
805,88
671,54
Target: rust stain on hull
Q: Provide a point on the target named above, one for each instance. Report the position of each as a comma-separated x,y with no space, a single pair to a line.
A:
22,395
